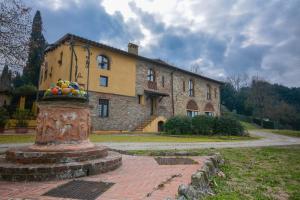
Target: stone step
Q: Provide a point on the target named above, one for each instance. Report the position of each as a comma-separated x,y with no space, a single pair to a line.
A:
45,172
26,155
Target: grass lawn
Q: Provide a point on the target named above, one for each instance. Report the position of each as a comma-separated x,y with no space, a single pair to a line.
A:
255,173
134,138
284,132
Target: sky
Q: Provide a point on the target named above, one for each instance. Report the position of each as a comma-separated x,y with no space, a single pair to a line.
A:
221,37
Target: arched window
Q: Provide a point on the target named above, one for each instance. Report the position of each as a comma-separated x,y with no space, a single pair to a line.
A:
209,109
191,108
103,62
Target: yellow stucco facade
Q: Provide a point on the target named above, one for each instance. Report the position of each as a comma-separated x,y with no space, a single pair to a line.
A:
121,72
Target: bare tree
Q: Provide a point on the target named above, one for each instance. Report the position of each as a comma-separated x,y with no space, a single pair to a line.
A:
238,81
195,68
15,27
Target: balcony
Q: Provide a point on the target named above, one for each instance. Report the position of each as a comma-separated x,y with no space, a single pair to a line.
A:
152,85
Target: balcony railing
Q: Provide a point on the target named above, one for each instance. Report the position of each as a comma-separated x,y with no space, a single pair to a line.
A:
152,85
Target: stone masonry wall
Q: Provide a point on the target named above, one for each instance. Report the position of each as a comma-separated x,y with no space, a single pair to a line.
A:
124,112
164,104
181,97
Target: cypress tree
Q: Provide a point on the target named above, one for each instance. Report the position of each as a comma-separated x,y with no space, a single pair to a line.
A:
5,79
37,45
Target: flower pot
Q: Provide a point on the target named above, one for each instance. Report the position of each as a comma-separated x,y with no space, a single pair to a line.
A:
21,130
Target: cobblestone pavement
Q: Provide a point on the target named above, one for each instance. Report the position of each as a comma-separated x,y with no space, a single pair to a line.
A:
268,139
138,176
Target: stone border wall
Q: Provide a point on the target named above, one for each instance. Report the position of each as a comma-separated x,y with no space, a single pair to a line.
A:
200,185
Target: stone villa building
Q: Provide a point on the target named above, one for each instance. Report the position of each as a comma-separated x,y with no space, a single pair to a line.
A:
128,92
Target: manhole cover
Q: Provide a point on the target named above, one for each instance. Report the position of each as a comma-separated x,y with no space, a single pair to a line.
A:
79,189
175,161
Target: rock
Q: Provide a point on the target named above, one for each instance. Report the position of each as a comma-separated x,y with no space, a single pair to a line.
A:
181,198
200,180
221,174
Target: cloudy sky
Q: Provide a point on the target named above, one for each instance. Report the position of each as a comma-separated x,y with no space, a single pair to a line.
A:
223,37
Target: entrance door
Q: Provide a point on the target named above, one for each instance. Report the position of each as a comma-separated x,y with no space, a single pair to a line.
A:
152,106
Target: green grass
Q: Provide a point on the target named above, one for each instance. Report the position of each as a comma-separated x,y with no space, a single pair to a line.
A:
134,138
17,138
255,173
284,132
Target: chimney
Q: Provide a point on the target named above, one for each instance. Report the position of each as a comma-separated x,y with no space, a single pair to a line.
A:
133,48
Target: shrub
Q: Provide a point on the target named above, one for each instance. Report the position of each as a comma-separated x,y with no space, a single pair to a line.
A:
3,117
22,117
228,126
203,125
268,124
178,125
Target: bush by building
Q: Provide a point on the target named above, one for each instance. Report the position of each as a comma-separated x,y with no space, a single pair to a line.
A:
178,125
204,125
228,126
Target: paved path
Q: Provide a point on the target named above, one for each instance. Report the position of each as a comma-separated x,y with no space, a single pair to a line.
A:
139,177
268,139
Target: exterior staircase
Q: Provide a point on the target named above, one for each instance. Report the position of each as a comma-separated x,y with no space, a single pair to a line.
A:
144,123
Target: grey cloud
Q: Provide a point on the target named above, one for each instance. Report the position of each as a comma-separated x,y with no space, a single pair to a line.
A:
88,19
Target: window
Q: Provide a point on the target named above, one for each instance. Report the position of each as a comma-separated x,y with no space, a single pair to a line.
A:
183,86
208,96
150,75
103,62
191,113
51,70
191,88
103,107
61,57
104,81
216,93
163,81
209,114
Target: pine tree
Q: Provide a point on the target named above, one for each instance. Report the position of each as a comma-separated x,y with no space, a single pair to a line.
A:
37,46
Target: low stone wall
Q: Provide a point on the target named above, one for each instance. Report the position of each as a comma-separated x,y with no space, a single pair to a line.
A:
199,187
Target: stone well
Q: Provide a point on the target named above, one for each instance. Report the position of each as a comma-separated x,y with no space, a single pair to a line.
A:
62,147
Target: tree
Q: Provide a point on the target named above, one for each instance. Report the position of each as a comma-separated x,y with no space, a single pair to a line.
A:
195,68
37,46
14,32
5,79
262,98
228,96
238,81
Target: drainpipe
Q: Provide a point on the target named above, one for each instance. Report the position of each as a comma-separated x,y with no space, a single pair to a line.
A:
172,93
71,65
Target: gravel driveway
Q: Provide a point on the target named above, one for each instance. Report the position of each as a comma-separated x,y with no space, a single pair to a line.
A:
268,139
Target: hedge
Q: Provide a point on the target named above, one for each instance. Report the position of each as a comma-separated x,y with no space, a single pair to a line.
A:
204,125
178,125
228,126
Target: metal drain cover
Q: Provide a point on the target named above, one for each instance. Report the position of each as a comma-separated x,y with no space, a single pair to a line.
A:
79,189
175,161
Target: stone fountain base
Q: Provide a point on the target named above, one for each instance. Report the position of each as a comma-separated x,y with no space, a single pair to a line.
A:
62,149
42,168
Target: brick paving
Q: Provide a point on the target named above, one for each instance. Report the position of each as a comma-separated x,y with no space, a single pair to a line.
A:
138,176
